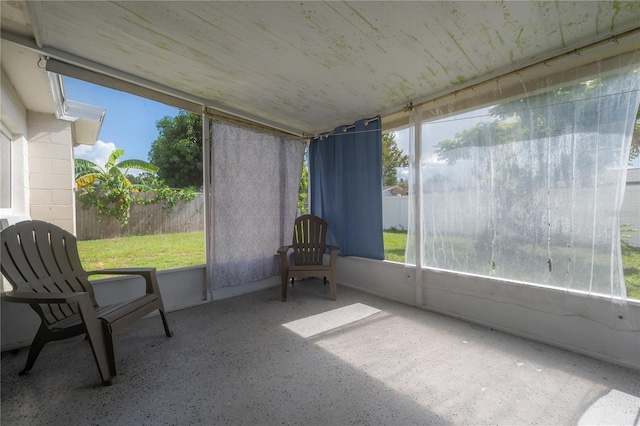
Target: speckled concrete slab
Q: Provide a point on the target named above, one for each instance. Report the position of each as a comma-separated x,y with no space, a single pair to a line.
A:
234,362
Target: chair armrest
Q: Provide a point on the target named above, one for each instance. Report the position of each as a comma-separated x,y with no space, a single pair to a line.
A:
122,271
284,261
149,275
86,310
29,297
81,299
283,249
333,259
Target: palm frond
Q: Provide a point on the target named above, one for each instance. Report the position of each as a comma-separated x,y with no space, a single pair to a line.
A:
87,179
115,154
120,177
139,165
83,166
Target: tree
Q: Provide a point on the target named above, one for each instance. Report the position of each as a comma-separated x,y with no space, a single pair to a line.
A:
108,188
391,159
635,140
112,191
528,118
178,150
87,172
303,190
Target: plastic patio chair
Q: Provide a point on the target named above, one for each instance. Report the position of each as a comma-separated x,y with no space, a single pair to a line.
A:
307,260
41,262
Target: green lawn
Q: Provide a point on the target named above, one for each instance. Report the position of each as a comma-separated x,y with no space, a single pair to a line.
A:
164,251
631,266
394,245
168,251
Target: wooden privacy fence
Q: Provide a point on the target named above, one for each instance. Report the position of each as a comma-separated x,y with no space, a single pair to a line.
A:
144,220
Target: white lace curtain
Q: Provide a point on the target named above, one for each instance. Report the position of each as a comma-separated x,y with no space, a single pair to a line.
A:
256,176
529,189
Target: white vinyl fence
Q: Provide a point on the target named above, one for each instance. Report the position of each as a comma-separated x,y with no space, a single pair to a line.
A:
395,212
630,216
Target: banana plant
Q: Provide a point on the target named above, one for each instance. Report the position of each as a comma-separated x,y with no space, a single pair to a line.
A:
107,188
88,173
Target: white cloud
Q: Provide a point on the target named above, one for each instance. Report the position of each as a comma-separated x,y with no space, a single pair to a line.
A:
98,153
403,138
402,173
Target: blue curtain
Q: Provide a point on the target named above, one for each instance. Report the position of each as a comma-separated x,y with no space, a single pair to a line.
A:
345,169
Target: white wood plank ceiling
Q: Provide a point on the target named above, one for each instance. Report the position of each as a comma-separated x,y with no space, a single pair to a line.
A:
308,67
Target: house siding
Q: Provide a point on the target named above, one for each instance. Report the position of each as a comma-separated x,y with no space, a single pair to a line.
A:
51,165
13,116
14,113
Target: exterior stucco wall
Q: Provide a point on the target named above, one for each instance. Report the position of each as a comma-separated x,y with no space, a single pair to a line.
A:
13,116
51,163
14,113
41,161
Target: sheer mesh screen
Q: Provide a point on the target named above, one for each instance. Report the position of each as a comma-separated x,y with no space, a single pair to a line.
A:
530,189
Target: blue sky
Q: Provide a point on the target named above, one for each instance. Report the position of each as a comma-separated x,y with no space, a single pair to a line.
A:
129,124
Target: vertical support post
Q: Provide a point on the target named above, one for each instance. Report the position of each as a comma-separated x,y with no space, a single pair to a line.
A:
284,171
416,121
306,157
207,170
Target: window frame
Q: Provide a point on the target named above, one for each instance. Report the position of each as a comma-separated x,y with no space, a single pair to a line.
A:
5,133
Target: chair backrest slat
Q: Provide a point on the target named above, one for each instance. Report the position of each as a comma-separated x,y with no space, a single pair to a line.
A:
309,240
43,258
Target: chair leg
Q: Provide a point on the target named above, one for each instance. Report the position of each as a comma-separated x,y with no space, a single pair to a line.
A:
101,341
284,281
333,285
168,332
36,346
110,343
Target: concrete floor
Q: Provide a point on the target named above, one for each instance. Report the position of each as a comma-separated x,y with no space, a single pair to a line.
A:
254,360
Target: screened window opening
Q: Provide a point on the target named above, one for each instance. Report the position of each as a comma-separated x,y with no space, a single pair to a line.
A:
630,218
530,189
139,197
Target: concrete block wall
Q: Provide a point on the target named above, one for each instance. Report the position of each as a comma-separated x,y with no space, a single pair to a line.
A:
52,173
13,115
12,110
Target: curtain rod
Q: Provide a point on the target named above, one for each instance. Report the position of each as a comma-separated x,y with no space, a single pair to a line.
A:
396,115
346,128
217,115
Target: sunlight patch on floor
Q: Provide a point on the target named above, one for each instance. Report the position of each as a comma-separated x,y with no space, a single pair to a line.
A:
320,323
615,408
